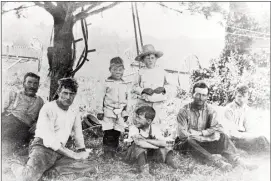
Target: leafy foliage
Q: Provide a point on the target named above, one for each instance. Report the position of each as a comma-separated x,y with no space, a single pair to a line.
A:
238,64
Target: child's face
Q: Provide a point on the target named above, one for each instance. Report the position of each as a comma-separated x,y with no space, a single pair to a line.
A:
140,121
117,72
150,61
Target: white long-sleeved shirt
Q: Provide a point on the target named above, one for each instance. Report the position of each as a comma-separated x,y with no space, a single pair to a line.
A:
55,125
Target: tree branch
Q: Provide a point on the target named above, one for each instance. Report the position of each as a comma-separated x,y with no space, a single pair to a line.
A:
48,6
85,14
163,5
16,9
95,4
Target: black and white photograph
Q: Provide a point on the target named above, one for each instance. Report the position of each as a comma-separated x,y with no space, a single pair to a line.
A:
135,90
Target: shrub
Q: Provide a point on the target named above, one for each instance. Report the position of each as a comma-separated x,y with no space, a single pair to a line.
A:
223,77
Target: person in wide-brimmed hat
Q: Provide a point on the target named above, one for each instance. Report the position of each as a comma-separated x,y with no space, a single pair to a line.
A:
150,86
147,50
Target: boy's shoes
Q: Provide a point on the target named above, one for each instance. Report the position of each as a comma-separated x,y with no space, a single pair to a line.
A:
171,162
108,155
144,171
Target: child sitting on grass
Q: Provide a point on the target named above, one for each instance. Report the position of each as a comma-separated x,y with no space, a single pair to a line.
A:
147,141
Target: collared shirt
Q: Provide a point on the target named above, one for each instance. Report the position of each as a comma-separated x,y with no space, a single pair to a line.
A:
237,114
24,107
55,125
204,120
111,94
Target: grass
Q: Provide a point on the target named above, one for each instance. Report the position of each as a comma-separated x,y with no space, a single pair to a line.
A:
117,170
190,170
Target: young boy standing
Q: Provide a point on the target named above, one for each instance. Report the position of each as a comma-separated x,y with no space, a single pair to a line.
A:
147,141
150,86
112,104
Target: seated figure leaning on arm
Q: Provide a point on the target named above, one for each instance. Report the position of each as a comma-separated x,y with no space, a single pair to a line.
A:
19,115
200,133
147,141
55,124
236,116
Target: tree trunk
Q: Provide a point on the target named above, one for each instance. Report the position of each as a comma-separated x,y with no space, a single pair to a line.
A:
61,63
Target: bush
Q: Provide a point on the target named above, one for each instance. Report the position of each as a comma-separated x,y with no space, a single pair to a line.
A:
223,77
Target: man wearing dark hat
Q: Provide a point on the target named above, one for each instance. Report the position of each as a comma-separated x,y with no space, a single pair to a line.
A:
55,124
150,87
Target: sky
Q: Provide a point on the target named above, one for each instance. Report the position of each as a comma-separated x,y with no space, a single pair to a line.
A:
155,22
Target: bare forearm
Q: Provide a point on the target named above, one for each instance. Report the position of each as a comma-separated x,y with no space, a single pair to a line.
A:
66,152
158,143
145,144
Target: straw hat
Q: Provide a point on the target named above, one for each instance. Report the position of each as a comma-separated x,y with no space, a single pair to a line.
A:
148,49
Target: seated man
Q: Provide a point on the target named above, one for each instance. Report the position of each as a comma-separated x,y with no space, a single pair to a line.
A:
20,113
200,134
147,140
55,124
236,116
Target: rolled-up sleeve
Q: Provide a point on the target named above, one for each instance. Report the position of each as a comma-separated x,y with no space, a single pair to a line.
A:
78,133
182,119
214,125
45,128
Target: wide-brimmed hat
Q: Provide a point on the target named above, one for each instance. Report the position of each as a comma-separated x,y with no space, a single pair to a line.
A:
148,49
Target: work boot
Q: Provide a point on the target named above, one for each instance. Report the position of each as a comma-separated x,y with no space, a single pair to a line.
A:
245,164
170,161
108,154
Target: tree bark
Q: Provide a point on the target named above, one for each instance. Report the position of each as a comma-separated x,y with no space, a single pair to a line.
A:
61,64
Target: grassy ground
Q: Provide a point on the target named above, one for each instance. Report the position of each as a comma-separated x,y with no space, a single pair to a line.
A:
190,170
117,170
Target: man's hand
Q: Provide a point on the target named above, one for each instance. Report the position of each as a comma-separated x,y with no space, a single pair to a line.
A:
195,137
160,90
81,155
100,116
147,91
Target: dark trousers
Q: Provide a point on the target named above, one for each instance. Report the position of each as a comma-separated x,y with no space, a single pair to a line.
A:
204,150
14,134
111,140
252,144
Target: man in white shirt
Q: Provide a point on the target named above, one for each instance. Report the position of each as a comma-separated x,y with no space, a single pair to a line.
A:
236,117
55,124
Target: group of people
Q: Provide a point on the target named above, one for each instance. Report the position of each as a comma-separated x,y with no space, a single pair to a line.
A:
199,132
